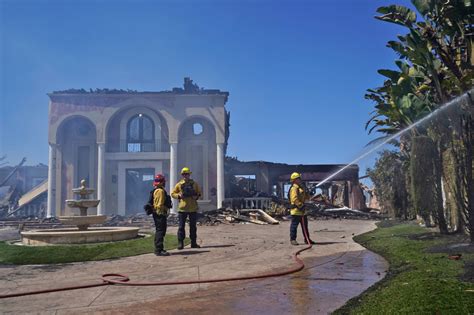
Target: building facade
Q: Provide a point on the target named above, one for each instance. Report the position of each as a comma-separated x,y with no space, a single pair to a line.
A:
118,140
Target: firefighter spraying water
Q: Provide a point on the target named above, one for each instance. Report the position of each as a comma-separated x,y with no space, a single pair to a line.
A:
297,196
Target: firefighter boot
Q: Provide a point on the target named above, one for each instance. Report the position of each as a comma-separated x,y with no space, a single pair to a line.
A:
162,253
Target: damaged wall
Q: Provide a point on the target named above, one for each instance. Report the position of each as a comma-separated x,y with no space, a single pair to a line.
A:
270,174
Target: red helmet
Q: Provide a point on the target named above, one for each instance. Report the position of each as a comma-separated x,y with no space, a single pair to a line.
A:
159,179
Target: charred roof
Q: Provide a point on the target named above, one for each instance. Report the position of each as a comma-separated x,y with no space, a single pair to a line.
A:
188,88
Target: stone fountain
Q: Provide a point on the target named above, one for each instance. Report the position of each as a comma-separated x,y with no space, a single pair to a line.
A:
83,233
83,220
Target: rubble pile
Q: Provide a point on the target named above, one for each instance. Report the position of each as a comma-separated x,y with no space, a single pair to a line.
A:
325,211
231,216
137,220
278,211
319,207
30,222
210,218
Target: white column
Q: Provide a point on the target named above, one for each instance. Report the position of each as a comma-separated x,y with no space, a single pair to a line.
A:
220,175
51,207
174,172
101,178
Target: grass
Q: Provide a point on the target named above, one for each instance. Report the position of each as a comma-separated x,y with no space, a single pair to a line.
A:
57,254
418,281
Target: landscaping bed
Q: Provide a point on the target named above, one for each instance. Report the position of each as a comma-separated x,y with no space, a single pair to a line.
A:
429,273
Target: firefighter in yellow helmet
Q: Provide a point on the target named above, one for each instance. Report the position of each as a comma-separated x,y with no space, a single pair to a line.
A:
297,196
187,191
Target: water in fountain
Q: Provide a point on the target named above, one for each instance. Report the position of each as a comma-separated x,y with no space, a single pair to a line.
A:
398,134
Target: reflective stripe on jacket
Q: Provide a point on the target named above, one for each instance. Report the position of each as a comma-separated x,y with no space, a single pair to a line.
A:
159,198
186,204
298,196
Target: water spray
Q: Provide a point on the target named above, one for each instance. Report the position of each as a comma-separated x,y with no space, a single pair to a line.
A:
466,95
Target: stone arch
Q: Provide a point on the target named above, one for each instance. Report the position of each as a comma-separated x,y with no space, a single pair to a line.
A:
197,150
211,127
55,129
76,137
116,129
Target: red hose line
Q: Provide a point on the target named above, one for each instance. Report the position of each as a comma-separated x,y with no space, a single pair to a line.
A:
305,231
84,286
297,268
125,280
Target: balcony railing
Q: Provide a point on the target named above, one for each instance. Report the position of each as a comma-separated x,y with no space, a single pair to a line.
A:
136,147
249,203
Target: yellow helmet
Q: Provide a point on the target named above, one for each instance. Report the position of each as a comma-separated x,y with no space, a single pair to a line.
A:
295,175
185,170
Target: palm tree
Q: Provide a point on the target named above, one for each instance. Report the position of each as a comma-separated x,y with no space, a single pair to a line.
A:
435,65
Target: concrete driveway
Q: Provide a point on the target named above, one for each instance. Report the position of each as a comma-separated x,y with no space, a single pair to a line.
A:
337,269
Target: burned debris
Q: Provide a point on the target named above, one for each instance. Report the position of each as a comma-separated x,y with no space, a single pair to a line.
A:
23,190
264,185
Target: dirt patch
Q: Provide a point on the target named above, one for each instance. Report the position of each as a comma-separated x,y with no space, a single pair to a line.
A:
389,223
456,243
452,248
425,236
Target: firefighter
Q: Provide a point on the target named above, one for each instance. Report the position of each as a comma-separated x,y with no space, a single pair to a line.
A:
297,196
161,205
187,191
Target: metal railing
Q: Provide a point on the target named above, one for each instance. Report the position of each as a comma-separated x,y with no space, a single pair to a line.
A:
249,203
135,147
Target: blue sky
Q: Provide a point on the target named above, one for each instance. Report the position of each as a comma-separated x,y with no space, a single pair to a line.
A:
296,70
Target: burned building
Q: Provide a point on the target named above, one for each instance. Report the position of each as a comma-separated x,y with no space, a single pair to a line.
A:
272,179
118,140
25,177
23,189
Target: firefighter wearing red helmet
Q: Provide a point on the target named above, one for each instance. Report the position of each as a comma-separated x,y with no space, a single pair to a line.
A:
161,205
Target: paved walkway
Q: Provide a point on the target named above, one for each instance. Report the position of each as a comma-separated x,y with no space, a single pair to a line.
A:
337,269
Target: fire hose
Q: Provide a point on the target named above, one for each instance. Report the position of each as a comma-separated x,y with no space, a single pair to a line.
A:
120,279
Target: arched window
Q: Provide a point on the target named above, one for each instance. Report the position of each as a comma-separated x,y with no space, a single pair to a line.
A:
140,134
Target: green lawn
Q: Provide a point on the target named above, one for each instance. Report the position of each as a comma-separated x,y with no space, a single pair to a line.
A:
23,255
421,280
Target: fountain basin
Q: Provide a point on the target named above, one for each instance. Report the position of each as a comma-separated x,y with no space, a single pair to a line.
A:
82,221
85,203
75,236
83,190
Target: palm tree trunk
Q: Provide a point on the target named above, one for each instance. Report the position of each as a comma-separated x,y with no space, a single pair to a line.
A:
422,178
451,181
469,132
438,169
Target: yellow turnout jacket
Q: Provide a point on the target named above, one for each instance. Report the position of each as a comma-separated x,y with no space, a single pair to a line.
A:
159,198
298,196
186,204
